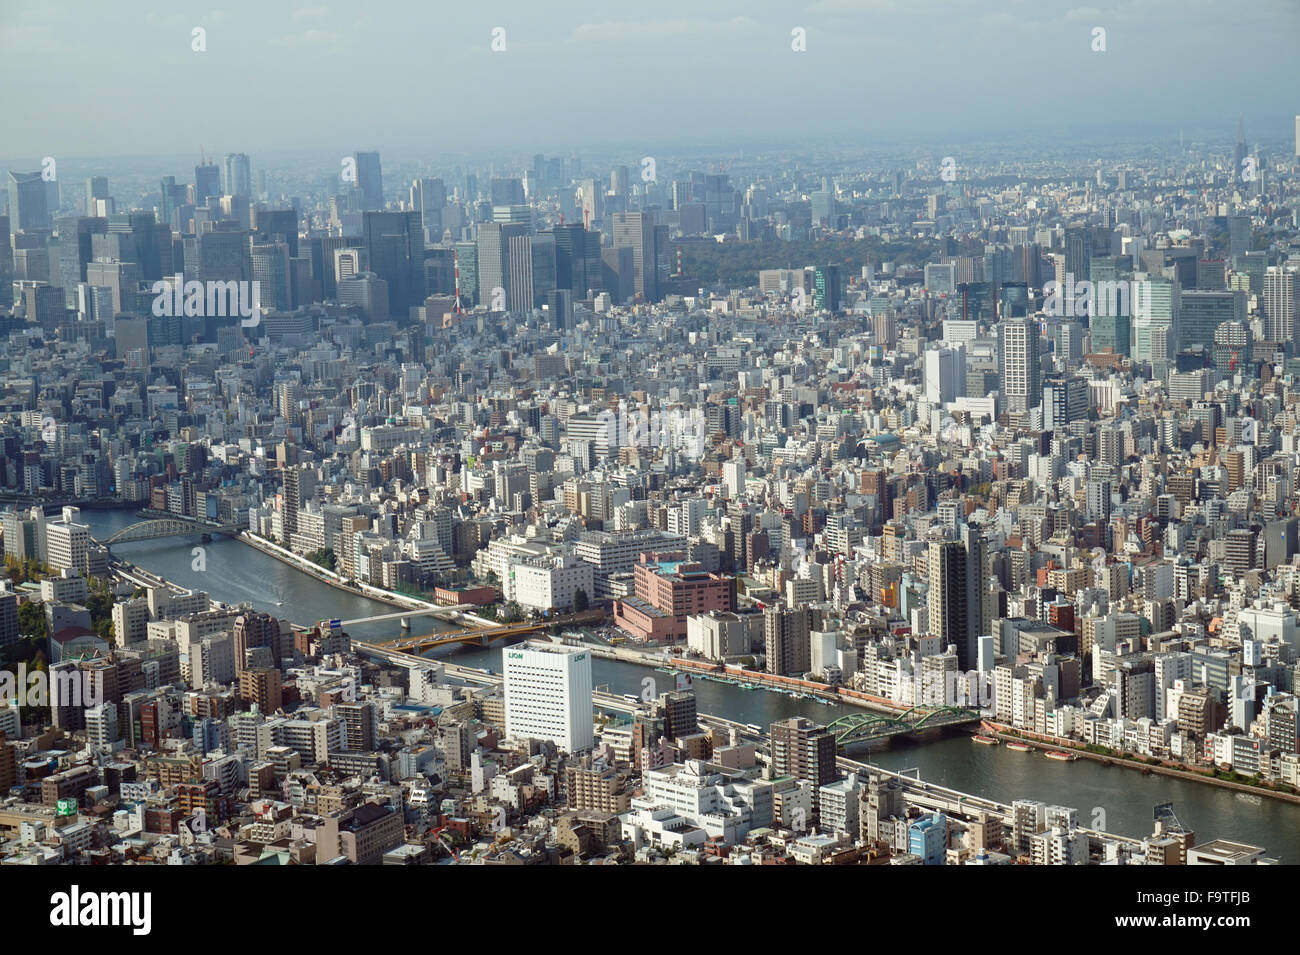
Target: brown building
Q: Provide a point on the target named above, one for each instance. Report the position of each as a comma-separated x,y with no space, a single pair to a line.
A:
1200,712
600,789
260,686
174,770
805,750
206,796
361,835
8,765
588,832
69,784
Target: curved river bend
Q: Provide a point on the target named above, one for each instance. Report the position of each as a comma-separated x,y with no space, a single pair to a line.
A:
237,573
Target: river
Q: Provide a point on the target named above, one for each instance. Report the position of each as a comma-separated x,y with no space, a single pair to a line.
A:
235,573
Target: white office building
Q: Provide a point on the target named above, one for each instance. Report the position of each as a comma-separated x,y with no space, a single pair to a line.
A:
68,541
548,694
551,582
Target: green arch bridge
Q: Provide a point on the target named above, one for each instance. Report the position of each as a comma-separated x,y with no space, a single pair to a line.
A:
861,727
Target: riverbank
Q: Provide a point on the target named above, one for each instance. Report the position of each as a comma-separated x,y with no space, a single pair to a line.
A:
1043,742
738,676
298,562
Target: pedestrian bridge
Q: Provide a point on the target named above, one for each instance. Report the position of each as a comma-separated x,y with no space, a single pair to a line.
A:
406,615
160,527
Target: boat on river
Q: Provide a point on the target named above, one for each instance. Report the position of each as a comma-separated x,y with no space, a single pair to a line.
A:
1019,747
1060,756
985,740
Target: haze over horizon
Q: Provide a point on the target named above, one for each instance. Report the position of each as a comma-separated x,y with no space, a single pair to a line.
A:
407,77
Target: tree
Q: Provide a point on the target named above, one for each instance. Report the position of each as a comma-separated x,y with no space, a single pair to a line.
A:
100,605
580,601
323,557
32,622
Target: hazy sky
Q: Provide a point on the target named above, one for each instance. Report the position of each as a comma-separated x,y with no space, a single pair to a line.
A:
120,77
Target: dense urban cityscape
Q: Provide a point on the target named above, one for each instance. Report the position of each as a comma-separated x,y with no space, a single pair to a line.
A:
771,505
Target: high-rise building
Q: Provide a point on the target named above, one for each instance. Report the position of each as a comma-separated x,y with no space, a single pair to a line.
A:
1110,320
520,290
1157,308
428,197
548,694
272,225
826,288
360,725
543,254
96,188
940,278
1281,293
467,267
804,750
1232,347
28,206
1064,400
260,686
395,243
1078,252
1098,501
1018,364
236,175
75,251
949,611
370,181
1239,154
635,230
67,542
945,374
787,642
368,292
1203,312
270,263
9,615
559,308
493,260
620,181
507,192
207,183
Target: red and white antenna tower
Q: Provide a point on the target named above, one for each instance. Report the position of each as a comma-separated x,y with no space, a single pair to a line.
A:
457,309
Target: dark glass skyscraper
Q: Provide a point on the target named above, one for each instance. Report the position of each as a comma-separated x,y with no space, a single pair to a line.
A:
826,288
395,241
272,224
370,181
207,182
27,202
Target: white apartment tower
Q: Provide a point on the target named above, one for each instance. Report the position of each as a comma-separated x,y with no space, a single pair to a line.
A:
1018,359
1281,291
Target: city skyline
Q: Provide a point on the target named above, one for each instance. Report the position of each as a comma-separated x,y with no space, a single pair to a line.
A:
853,433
